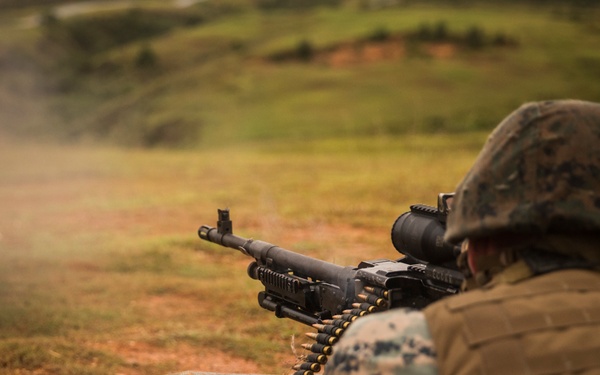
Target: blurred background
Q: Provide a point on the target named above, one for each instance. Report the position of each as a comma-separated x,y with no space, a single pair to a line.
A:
124,125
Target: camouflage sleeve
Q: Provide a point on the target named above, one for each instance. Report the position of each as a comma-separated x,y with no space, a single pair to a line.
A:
393,342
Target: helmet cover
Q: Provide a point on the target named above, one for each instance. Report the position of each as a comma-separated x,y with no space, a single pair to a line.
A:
538,173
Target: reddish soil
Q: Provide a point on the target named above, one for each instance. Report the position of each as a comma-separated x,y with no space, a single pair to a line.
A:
352,54
184,356
369,52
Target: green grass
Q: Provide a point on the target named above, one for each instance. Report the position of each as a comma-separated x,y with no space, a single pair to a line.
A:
213,83
55,355
101,261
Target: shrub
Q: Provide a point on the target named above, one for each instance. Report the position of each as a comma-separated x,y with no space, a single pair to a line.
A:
424,32
502,40
379,35
146,57
440,33
100,32
48,18
475,37
305,50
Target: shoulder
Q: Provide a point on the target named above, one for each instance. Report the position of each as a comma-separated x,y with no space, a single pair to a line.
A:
396,341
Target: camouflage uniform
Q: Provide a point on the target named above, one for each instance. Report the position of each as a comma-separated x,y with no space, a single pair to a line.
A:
391,342
537,309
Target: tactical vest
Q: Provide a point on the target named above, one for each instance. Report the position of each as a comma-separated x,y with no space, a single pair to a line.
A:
548,324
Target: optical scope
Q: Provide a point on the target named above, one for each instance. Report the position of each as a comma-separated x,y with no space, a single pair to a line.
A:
419,233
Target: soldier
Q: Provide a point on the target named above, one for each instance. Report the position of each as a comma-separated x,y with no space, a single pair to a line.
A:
529,214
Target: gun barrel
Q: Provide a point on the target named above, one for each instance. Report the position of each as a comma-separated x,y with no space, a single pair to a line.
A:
275,256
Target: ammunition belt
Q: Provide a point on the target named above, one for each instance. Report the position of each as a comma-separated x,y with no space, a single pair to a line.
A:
372,299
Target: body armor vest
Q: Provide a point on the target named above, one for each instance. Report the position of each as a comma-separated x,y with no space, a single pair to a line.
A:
549,324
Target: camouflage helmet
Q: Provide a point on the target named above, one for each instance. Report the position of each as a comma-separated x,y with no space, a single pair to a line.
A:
538,173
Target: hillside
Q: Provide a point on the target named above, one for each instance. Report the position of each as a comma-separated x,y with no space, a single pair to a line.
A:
237,71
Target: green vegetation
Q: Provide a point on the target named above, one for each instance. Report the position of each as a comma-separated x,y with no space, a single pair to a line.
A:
102,271
229,71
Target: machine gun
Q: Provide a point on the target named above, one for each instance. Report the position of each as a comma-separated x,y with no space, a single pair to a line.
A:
329,297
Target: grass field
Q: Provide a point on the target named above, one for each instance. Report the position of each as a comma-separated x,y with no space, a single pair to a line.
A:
102,271
215,82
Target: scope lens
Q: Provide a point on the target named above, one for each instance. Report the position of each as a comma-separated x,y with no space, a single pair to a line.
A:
422,236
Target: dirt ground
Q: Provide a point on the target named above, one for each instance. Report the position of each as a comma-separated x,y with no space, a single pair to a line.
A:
185,356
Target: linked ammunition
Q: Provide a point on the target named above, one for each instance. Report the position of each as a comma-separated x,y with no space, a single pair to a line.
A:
329,329
346,317
311,366
322,338
372,299
316,358
318,348
337,322
357,312
365,306
380,292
